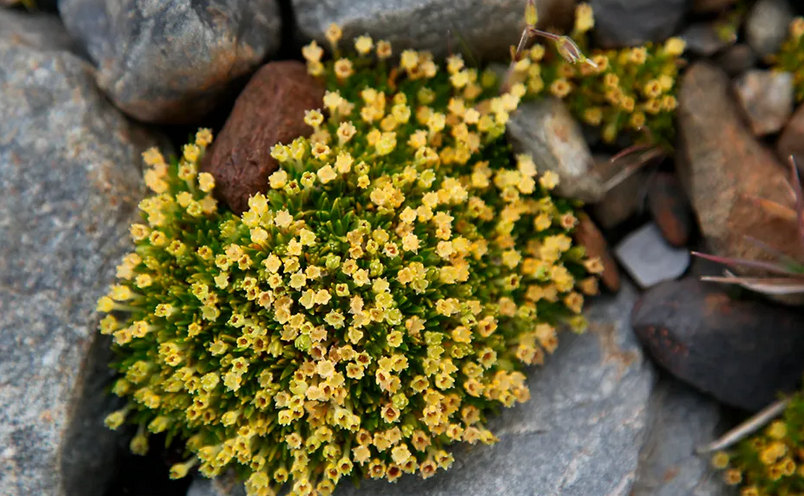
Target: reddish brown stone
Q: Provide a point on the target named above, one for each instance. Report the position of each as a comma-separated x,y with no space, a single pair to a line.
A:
270,110
721,345
670,209
722,166
791,142
589,236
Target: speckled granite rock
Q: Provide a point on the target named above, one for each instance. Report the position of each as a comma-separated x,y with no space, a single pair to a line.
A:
766,26
36,30
546,130
169,61
681,419
70,184
487,28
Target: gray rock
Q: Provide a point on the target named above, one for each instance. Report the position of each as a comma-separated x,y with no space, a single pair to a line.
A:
70,185
681,419
767,99
766,26
633,22
737,59
171,61
547,131
580,435
649,258
36,30
225,485
703,39
486,29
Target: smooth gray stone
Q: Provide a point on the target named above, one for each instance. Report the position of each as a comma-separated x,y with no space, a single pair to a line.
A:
171,61
69,184
681,420
767,99
545,130
649,258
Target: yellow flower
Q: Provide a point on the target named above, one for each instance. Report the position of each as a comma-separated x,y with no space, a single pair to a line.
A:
584,18
364,44
674,46
333,34
384,50
560,88
343,68
312,52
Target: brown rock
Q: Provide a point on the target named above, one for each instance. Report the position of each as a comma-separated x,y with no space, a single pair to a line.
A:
670,209
791,142
589,236
721,165
270,110
720,345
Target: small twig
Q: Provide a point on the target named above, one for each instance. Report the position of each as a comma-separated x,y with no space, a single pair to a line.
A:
745,429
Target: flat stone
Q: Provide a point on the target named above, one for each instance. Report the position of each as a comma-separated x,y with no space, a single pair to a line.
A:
737,59
486,29
681,419
579,435
767,99
270,110
69,166
721,345
621,23
766,26
171,62
791,141
546,130
589,236
670,208
722,165
649,259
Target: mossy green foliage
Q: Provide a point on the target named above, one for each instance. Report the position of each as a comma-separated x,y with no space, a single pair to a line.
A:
791,56
373,307
770,463
629,90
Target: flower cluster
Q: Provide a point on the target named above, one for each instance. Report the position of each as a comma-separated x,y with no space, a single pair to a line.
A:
770,463
618,91
791,56
371,308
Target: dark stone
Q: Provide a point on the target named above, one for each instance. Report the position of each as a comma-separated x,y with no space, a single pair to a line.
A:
737,59
742,352
270,110
69,169
622,201
621,23
589,236
170,61
711,5
670,208
722,166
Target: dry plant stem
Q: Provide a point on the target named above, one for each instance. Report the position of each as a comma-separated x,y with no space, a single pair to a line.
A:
747,428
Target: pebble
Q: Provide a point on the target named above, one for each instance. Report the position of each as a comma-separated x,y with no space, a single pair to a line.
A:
649,259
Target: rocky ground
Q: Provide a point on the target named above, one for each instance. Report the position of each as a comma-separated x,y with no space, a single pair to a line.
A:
670,362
